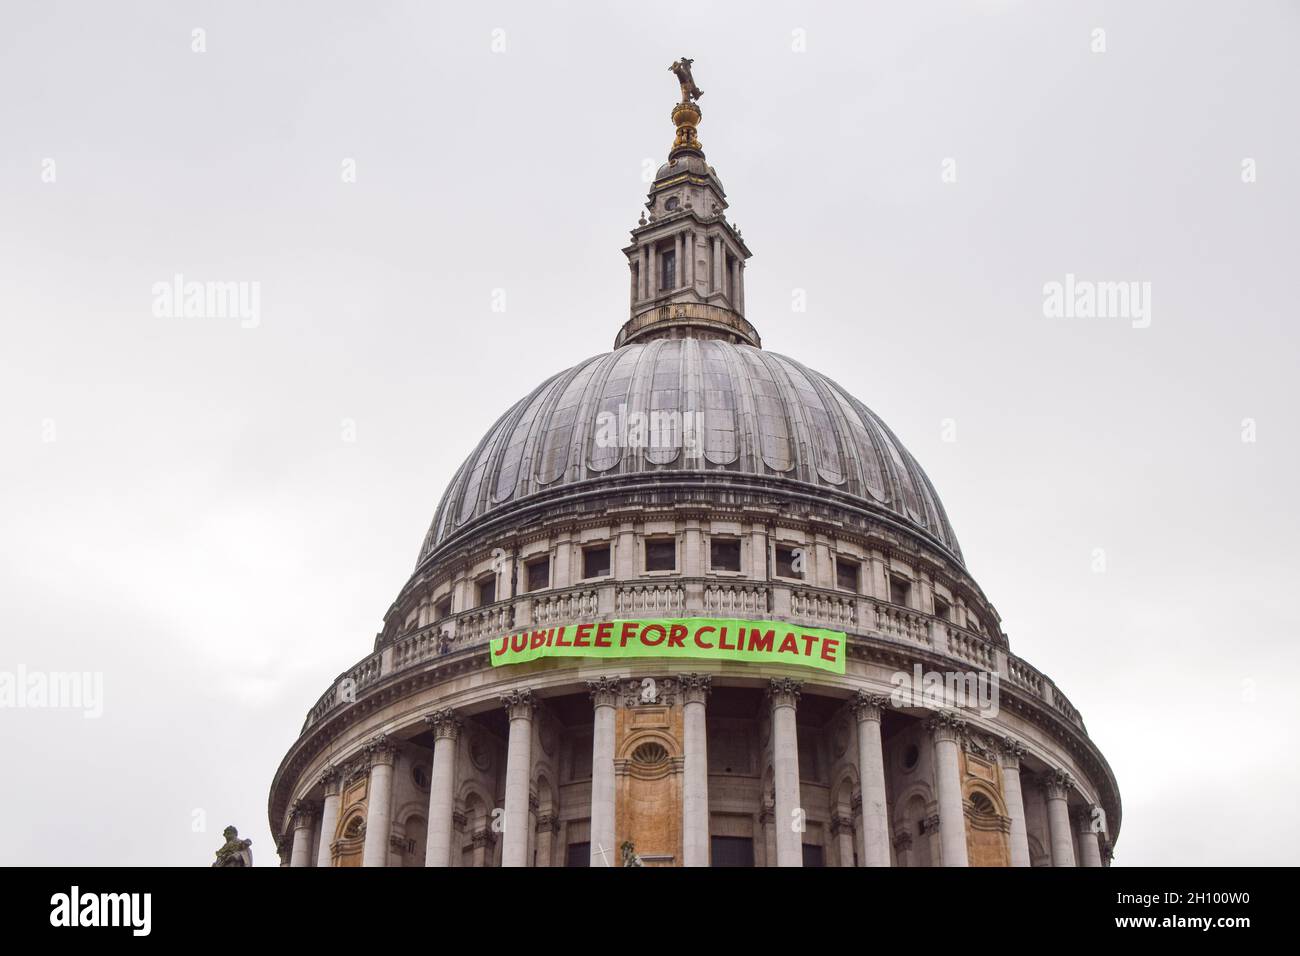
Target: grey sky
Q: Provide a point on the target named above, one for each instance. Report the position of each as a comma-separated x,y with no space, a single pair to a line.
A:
200,531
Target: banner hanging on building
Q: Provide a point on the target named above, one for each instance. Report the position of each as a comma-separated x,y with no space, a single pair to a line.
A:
763,642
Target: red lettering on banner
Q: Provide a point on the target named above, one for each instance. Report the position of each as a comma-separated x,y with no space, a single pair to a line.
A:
700,633
559,639
645,635
676,634
538,640
828,649
519,642
602,634
760,640
789,644
807,645
583,637
627,633
505,646
722,641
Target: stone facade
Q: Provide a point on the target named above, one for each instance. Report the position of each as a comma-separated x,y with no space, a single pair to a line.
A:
798,505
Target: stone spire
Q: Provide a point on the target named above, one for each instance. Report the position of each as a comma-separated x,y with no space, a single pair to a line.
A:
687,262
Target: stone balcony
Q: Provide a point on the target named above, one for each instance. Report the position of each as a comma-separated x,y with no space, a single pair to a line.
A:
855,614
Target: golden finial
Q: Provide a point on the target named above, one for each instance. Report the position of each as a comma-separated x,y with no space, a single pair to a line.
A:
686,114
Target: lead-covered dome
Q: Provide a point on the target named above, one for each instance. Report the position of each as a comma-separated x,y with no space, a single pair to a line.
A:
690,406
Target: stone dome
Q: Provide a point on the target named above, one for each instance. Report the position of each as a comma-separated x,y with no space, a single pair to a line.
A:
692,407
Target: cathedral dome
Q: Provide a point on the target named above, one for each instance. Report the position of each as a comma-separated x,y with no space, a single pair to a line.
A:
691,408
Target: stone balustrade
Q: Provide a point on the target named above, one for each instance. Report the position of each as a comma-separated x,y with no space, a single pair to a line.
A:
679,597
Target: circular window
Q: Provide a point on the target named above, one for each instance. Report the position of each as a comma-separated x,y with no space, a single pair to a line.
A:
911,757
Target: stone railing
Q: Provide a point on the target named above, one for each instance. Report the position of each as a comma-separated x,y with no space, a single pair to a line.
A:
735,599
650,599
903,624
970,647
682,597
582,604
834,609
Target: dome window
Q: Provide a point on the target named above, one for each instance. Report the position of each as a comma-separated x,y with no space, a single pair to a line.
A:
847,574
724,554
942,609
900,591
595,561
442,610
487,589
538,573
661,554
789,562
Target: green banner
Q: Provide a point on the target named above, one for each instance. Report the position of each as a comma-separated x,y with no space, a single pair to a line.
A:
766,642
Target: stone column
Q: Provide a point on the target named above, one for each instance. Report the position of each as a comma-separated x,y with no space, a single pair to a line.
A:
643,276
842,830
446,726
379,802
903,847
740,286
1018,838
520,706
604,698
304,820
784,697
1089,848
329,815
715,274
547,824
767,820
871,775
654,272
679,261
1056,787
690,259
946,729
695,771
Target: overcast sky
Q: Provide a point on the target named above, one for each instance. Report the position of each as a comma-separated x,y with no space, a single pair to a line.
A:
215,513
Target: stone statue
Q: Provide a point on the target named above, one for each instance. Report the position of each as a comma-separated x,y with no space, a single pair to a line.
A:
629,854
235,852
682,68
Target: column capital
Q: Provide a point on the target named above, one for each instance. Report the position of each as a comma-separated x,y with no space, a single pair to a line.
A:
902,841
330,779
841,823
695,687
548,822
945,725
1010,751
444,723
519,704
1057,784
784,692
867,706
302,814
603,692
380,752
483,838
1107,852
